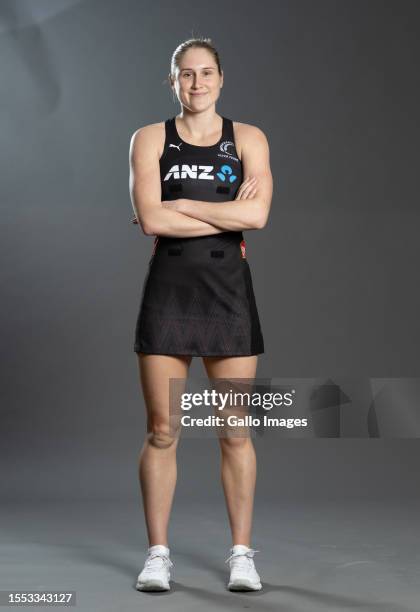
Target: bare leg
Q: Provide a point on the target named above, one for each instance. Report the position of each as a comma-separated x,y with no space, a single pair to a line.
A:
238,454
157,460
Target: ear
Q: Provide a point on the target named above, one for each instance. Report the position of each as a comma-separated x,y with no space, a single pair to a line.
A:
221,77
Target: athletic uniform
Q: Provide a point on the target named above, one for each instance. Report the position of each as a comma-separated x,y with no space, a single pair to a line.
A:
198,297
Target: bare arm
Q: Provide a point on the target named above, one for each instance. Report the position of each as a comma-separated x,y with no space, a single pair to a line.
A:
146,193
244,212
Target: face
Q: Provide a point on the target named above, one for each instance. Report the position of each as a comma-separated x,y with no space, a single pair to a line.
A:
197,80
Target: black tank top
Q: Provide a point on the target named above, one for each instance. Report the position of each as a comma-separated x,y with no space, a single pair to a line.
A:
210,173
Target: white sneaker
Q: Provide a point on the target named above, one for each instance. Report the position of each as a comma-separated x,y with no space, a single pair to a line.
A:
155,575
243,575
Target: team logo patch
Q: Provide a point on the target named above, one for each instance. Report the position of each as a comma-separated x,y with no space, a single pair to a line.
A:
224,146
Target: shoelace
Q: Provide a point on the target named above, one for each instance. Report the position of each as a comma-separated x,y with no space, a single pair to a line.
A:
152,565
245,561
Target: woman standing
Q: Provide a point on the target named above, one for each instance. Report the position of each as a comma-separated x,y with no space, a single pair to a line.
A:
197,180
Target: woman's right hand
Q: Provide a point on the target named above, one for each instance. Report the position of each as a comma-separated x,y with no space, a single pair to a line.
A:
247,189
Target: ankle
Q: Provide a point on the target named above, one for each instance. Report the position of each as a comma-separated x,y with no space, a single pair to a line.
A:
159,548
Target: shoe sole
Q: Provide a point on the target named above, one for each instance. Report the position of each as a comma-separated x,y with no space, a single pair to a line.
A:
152,585
244,586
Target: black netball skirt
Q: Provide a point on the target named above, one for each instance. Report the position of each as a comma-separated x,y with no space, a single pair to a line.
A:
198,299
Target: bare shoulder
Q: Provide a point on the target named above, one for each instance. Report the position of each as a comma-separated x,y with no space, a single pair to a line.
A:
247,135
148,138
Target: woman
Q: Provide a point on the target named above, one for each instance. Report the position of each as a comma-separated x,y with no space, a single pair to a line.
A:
196,181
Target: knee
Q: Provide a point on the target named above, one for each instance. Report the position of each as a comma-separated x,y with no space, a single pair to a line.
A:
161,438
232,443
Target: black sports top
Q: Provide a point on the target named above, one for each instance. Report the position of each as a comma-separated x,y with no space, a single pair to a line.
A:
208,173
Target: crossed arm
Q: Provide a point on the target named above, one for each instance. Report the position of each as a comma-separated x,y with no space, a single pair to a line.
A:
187,218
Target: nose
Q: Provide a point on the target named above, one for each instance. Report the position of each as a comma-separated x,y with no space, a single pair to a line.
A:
196,81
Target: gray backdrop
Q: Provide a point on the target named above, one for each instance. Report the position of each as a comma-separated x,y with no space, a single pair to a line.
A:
334,85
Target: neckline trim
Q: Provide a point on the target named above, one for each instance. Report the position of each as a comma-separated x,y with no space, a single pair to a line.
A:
188,144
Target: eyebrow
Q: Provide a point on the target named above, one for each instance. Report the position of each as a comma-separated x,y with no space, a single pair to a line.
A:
205,68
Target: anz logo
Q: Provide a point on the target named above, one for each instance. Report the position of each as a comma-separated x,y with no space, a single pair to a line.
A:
194,171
